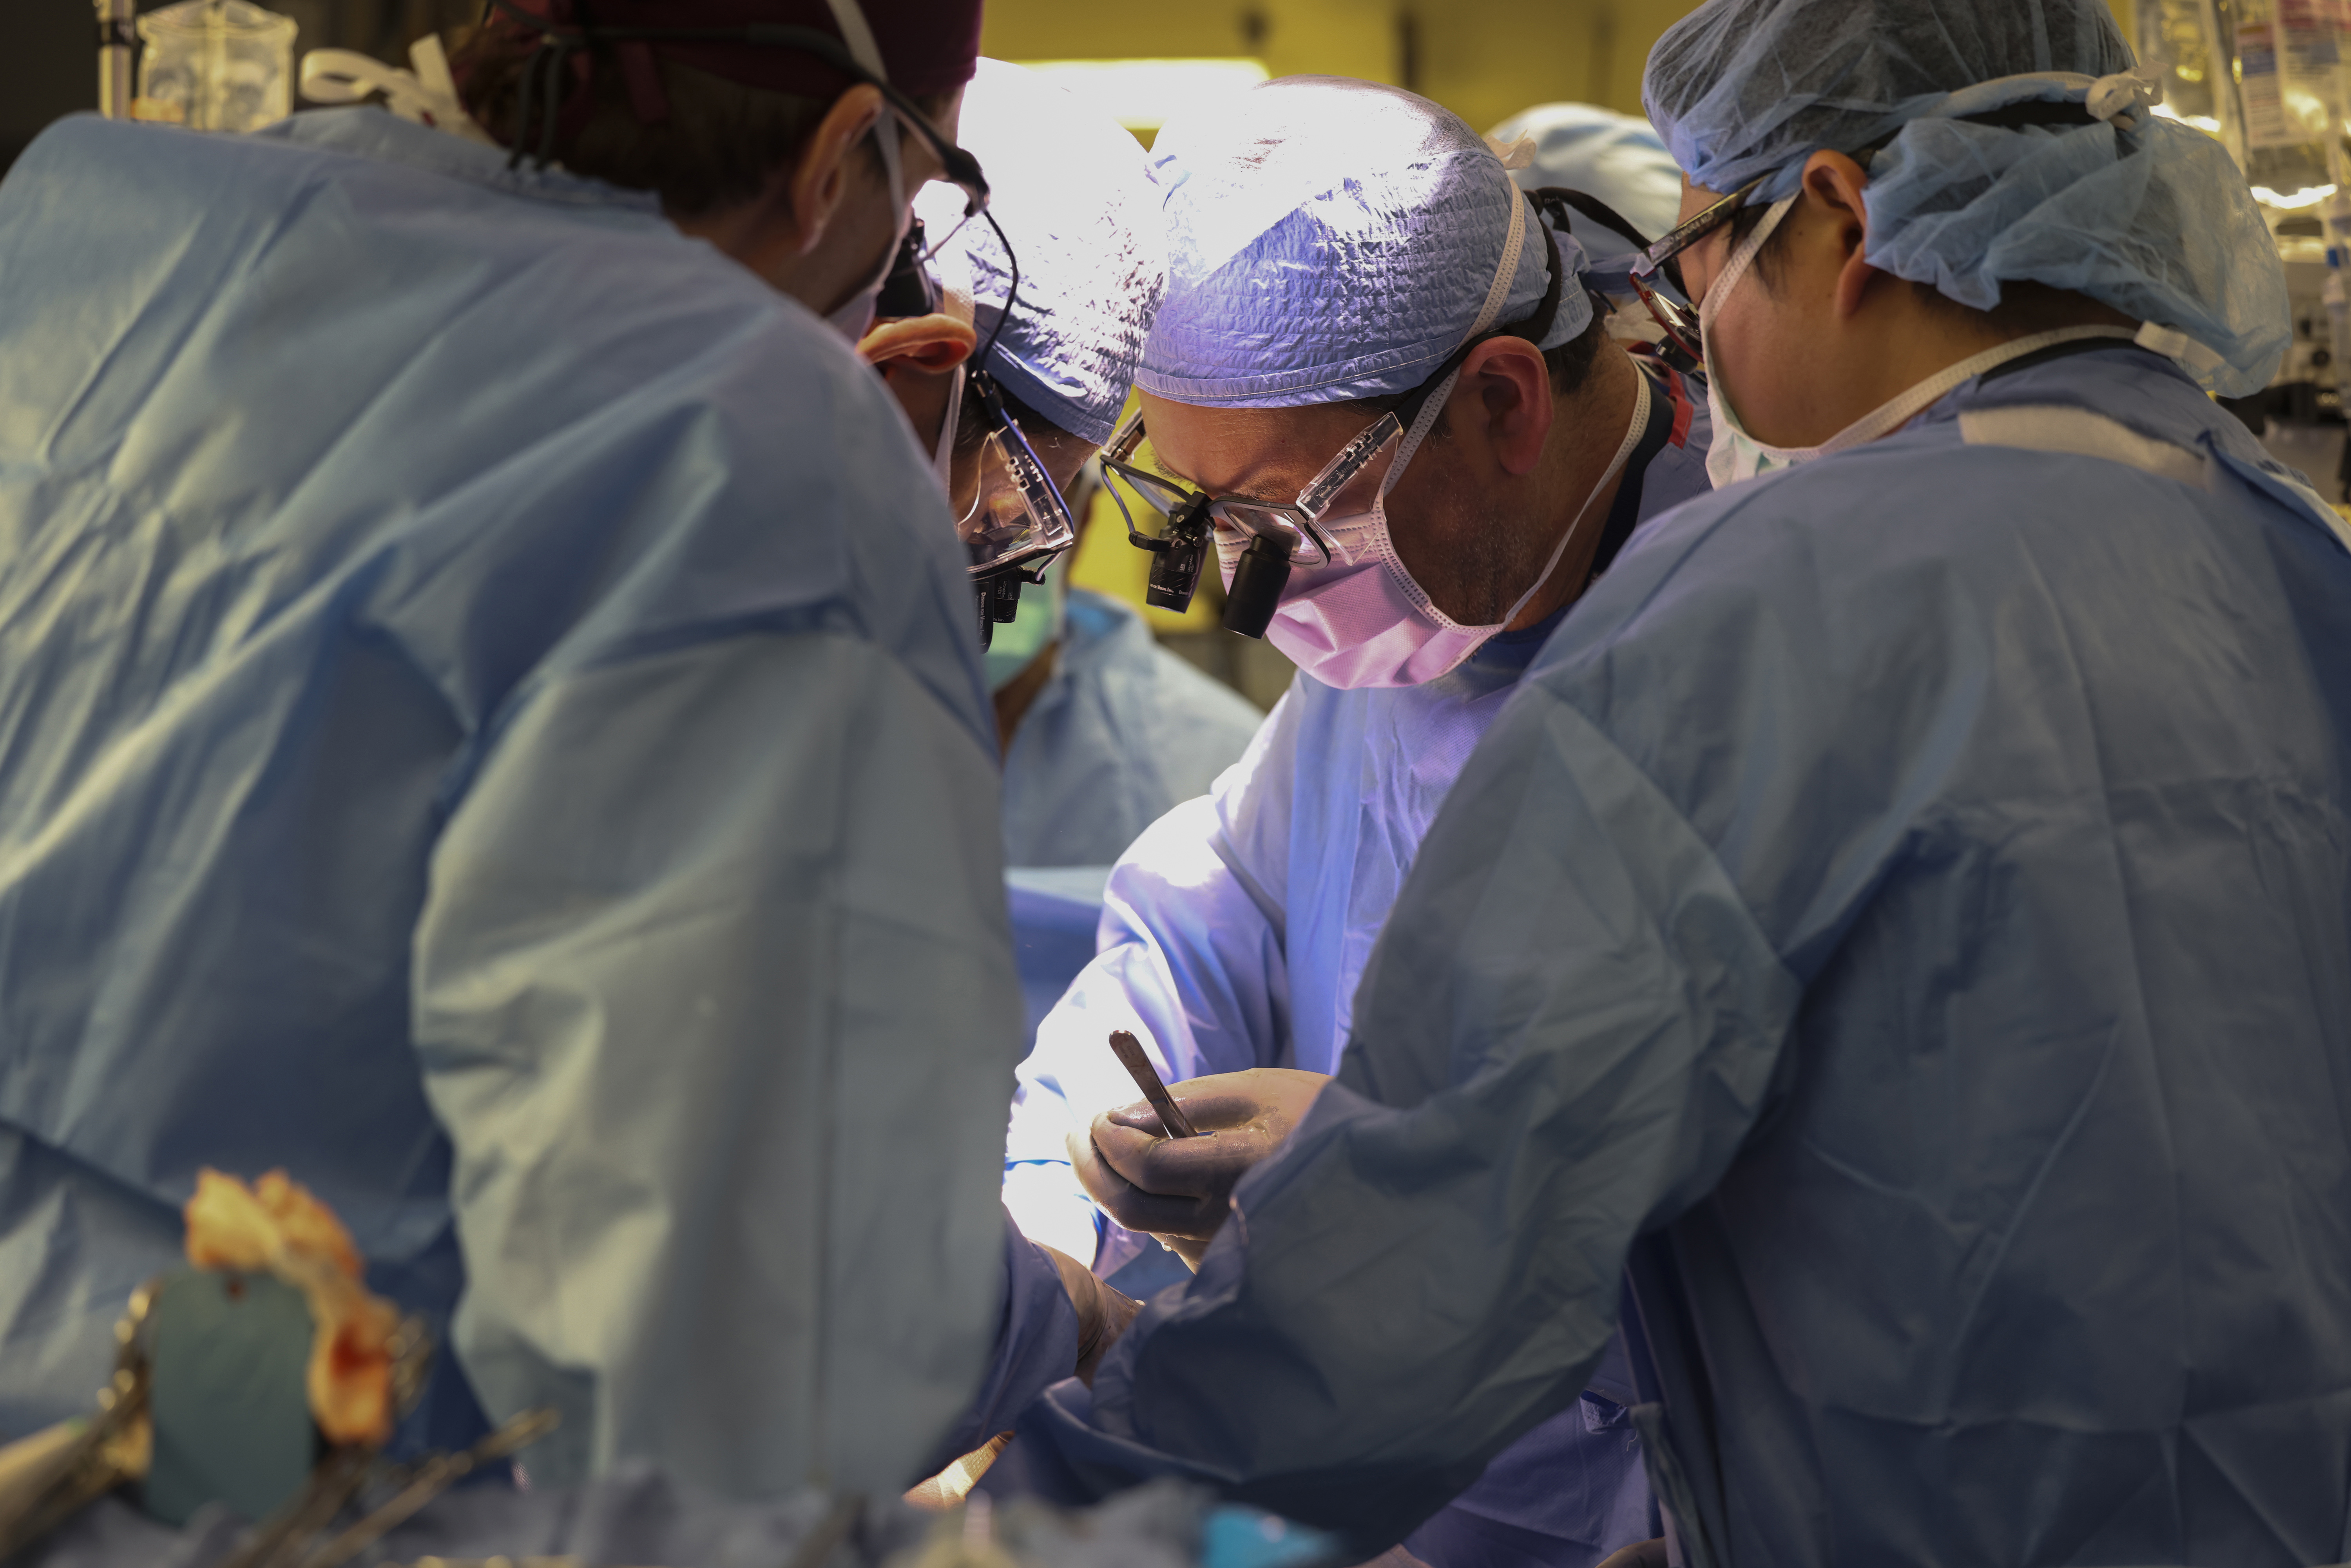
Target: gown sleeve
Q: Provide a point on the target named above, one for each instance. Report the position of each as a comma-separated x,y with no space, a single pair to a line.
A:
1569,1026
713,984
1190,957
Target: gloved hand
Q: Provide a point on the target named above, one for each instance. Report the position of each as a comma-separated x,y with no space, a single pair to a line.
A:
1179,1189
1103,1312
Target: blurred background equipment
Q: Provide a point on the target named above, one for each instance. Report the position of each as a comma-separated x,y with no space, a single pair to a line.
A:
118,52
2272,78
1485,62
214,65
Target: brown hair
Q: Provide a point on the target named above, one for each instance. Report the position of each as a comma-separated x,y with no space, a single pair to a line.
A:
715,150
1570,365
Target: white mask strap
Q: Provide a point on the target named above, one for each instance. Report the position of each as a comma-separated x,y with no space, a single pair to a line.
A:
953,273
943,453
1709,307
1740,260
1899,410
849,17
1497,292
1633,433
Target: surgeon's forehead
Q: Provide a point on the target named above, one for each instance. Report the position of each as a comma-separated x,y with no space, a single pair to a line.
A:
1267,454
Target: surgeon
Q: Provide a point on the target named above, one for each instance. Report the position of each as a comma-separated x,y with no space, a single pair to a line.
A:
1904,916
492,727
1619,158
1383,365
1103,730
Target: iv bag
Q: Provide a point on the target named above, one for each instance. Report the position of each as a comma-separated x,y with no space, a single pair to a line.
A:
215,65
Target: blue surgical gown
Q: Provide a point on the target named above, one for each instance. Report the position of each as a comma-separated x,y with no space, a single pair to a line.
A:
488,725
1233,935
1906,913
1123,730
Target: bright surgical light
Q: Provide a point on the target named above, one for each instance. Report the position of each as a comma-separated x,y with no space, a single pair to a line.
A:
2308,196
1143,95
2203,122
2308,109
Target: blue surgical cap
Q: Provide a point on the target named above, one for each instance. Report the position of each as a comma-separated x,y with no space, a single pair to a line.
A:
1068,184
1331,239
2147,216
1602,153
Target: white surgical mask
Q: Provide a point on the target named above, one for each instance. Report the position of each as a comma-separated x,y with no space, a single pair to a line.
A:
1732,454
853,316
953,269
1361,620
942,452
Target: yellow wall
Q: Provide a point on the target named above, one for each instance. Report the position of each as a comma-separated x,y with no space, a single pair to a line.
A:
1484,60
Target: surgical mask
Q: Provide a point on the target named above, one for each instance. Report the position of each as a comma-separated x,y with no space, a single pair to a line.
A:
953,273
1018,641
1732,454
943,452
853,316
1362,621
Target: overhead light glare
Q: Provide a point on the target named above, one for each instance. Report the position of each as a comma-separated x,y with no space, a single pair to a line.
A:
2308,196
1146,94
2203,122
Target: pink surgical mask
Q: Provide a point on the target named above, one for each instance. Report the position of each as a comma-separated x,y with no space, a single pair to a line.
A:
1362,621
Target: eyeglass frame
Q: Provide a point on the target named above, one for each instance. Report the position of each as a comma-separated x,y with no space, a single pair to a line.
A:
1680,321
1301,515
1191,512
1189,505
1181,551
1018,450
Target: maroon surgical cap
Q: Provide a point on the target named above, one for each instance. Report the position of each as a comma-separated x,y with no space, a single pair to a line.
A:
927,46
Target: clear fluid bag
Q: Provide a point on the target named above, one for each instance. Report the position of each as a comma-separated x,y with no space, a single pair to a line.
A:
215,65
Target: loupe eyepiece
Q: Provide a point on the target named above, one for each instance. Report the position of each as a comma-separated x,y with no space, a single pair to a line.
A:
1256,592
908,290
1177,560
1000,604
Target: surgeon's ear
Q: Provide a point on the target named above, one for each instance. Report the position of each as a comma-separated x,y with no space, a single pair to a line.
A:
935,343
1834,185
813,186
1512,385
